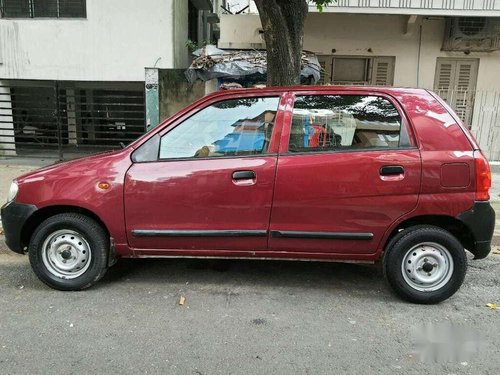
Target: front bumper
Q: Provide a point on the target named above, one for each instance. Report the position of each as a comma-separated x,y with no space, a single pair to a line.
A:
480,220
14,216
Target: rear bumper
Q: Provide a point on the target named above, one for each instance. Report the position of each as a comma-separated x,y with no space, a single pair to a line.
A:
14,216
480,220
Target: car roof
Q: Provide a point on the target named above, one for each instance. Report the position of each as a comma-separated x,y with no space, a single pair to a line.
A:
280,89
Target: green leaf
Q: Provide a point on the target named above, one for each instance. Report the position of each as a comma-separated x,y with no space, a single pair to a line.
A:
322,3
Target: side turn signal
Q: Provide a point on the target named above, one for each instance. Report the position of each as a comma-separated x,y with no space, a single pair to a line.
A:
103,185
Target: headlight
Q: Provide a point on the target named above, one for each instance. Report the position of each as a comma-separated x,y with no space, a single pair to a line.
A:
12,191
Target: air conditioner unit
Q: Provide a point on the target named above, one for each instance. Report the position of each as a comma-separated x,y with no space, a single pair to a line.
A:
472,34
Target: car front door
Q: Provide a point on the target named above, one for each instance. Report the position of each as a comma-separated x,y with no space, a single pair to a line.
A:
209,186
350,169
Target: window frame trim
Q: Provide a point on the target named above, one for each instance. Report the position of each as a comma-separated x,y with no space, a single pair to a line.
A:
275,136
349,151
406,134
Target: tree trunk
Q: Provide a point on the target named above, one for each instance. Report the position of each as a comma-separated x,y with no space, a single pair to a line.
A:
283,25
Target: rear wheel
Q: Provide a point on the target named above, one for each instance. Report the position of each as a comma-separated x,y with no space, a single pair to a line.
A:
69,251
425,264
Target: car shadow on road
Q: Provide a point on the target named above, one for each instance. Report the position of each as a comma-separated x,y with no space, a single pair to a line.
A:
247,273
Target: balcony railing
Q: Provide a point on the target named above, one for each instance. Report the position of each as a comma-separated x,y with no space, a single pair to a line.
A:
424,7
480,8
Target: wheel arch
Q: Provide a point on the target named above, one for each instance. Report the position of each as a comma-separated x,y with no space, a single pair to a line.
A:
449,223
45,212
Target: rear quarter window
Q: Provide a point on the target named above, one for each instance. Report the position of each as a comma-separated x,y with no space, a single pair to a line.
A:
435,127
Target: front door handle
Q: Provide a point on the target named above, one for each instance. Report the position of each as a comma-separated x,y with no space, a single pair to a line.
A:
391,170
244,175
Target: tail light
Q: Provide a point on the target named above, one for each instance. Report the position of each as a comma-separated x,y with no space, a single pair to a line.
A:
483,177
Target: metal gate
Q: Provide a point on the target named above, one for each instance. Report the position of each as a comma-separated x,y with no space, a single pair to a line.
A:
486,123
64,120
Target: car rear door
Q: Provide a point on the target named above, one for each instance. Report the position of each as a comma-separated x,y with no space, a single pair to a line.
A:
210,188
348,168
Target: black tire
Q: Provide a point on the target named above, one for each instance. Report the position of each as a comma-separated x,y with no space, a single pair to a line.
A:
398,252
96,249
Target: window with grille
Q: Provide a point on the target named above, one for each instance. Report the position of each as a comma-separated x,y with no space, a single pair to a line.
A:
358,70
43,8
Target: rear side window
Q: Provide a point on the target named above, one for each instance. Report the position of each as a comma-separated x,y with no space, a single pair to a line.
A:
236,127
338,122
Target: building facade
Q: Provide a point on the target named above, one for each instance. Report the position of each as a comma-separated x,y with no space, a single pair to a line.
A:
449,46
72,72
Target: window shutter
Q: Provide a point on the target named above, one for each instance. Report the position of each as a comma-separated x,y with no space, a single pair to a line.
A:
455,82
466,71
383,71
44,8
444,80
16,8
465,74
444,76
72,8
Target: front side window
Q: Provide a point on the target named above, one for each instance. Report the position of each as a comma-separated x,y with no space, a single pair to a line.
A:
236,127
43,8
340,122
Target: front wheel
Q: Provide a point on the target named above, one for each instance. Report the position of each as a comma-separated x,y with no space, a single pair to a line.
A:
425,264
69,251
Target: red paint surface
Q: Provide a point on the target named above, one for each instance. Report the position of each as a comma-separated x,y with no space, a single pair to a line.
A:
330,191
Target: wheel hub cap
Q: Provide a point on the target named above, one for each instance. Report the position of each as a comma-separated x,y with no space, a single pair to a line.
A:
66,254
427,266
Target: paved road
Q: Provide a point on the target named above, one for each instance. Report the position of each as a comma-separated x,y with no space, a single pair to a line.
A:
240,317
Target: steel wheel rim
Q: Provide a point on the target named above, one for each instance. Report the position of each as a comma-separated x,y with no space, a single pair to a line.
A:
427,267
66,254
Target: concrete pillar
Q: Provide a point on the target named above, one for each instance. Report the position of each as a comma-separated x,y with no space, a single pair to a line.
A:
7,139
211,86
152,98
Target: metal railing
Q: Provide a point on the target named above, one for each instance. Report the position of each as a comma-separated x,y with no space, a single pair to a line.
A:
438,7
65,120
474,7
485,123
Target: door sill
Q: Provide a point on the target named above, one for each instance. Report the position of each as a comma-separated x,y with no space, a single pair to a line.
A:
257,255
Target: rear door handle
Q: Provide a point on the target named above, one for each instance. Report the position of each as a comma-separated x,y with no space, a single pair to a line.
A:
391,170
244,175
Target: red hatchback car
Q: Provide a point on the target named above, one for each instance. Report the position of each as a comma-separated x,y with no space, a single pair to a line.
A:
319,173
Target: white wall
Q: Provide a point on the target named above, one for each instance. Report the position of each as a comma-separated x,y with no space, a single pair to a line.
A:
180,37
116,42
355,34
240,31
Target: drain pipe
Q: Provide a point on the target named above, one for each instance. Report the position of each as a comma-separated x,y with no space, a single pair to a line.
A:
419,51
